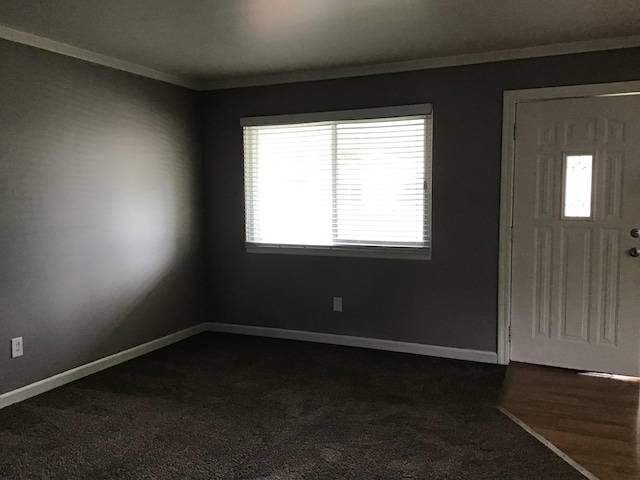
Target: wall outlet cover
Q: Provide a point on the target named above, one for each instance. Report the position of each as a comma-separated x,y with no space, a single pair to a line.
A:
17,347
337,304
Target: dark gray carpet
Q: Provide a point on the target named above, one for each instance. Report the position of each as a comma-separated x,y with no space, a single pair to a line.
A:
222,406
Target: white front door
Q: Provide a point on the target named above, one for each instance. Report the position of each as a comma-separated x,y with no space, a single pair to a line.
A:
575,293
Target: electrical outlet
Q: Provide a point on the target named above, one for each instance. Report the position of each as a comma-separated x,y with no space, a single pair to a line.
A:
17,347
337,304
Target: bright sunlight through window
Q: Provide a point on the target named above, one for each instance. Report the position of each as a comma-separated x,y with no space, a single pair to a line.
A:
347,183
578,178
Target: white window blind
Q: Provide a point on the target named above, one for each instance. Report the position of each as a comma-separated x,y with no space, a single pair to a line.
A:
350,183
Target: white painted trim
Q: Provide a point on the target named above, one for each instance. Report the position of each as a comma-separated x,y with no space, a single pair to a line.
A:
549,445
24,38
63,378
506,222
401,253
424,64
362,342
421,109
42,43
509,105
82,371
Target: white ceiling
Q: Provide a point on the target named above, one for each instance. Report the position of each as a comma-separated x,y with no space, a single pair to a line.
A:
226,42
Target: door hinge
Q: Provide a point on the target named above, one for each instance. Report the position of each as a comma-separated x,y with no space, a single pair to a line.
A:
509,332
514,130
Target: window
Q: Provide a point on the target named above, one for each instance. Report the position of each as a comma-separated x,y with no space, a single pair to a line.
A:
578,177
354,183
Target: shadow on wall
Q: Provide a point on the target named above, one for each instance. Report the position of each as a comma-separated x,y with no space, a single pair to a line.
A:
87,293
97,212
167,303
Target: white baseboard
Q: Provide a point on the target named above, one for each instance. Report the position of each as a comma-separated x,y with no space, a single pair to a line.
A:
549,445
373,343
77,373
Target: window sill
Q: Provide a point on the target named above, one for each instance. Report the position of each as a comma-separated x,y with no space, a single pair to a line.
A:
363,252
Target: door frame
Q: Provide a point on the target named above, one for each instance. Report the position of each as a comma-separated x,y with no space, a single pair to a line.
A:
510,100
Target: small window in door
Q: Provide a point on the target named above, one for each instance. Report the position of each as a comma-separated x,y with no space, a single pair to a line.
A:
578,182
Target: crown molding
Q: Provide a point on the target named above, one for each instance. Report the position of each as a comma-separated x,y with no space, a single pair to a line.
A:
425,64
42,43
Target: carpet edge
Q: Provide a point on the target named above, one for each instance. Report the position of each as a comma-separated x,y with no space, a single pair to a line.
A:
548,444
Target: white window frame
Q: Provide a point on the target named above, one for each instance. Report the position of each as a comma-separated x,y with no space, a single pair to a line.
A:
400,252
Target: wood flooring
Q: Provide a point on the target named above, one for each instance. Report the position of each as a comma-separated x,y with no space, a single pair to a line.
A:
592,419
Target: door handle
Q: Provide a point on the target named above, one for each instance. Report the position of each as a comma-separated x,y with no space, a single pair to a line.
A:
635,232
634,252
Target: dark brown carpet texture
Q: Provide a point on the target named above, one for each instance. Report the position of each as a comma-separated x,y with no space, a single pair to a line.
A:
219,406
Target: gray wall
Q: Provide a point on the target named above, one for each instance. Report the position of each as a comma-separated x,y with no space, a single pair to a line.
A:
99,241
451,300
103,198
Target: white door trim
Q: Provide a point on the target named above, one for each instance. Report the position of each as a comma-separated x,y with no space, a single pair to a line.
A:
510,100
